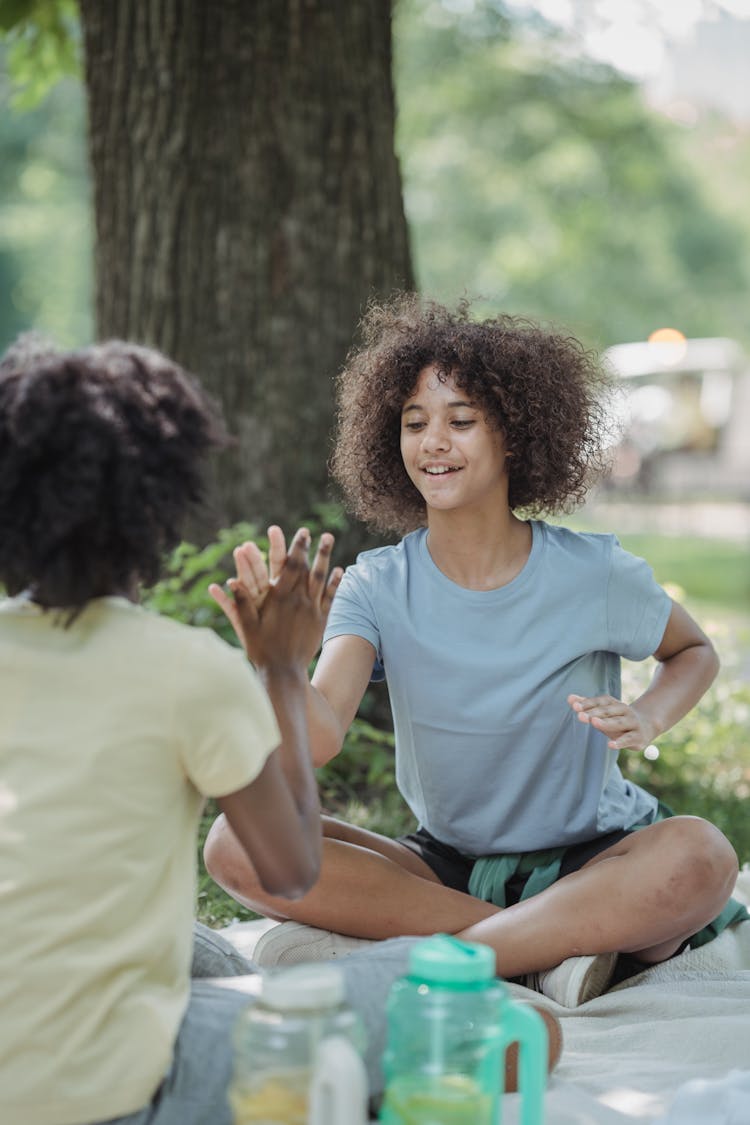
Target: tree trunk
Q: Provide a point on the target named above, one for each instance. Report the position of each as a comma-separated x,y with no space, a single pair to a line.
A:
248,203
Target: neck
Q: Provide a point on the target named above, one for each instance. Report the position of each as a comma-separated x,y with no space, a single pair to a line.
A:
131,592
476,553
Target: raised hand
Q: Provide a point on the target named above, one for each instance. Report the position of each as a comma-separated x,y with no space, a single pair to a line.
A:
624,726
279,611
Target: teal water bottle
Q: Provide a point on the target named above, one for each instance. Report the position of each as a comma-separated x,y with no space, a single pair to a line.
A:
450,1022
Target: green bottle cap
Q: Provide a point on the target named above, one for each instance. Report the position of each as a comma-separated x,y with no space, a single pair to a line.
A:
443,959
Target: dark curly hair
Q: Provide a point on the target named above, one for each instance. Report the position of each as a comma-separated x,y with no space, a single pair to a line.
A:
99,464
542,389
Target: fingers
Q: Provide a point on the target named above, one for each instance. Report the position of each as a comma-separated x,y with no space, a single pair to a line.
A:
597,707
252,571
276,552
295,567
246,603
224,603
617,720
321,562
241,606
331,587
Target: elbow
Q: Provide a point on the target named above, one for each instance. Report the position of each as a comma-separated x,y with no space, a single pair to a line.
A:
327,745
321,755
294,884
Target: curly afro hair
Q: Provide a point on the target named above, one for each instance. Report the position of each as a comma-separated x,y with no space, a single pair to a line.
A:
99,464
543,390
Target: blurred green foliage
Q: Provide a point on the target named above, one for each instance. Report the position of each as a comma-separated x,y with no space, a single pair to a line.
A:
534,179
45,224
182,593
703,766
542,182
43,45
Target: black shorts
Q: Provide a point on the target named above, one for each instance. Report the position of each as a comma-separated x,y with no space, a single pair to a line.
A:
453,868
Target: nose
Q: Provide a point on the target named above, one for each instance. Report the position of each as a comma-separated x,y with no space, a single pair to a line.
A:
436,437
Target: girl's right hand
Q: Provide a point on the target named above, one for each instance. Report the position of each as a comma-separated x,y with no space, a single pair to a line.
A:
279,613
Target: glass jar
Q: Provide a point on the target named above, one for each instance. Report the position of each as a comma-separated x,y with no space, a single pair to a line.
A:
298,1053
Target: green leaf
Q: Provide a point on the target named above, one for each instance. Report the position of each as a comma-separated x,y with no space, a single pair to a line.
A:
43,46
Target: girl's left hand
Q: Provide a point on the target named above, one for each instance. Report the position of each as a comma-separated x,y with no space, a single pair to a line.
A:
625,728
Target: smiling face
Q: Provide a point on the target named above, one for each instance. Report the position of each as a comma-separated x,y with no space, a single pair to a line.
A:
450,452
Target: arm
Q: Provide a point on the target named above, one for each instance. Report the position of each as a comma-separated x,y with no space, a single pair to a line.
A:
343,670
687,666
276,818
338,684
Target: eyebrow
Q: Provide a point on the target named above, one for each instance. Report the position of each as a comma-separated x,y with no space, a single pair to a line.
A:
458,402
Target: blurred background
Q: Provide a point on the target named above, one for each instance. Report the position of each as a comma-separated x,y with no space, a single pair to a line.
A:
583,162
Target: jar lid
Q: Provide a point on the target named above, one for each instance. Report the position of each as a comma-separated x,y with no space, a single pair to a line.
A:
443,959
303,986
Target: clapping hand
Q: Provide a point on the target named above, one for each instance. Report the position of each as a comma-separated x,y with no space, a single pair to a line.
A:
279,610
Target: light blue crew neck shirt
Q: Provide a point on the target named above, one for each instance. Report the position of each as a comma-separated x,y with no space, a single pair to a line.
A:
489,755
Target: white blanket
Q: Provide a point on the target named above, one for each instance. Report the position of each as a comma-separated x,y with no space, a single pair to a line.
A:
629,1055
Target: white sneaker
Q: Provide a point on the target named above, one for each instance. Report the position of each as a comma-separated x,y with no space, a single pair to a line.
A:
576,980
293,943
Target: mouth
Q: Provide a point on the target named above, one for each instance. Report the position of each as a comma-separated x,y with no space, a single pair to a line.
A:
439,470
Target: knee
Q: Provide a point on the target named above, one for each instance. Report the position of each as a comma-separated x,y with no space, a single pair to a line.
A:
703,863
226,861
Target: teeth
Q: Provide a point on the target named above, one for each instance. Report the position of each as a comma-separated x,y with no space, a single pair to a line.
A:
438,470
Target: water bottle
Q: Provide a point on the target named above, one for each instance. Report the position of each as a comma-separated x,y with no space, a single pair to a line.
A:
298,1053
450,1022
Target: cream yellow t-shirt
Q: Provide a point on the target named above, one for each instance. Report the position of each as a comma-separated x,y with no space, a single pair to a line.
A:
112,732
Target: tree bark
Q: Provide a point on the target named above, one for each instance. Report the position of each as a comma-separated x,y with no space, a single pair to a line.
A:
248,203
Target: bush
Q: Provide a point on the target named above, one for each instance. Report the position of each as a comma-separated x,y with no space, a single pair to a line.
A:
703,766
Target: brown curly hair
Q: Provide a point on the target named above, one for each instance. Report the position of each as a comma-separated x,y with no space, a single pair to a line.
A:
99,464
544,390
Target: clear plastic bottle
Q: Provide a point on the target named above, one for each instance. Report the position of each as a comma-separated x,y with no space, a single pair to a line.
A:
450,1022
298,1053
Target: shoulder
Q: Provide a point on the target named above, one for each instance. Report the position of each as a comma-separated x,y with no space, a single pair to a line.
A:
197,651
581,547
604,550
384,562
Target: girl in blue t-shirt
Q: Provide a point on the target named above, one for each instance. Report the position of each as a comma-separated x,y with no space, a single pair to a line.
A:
500,638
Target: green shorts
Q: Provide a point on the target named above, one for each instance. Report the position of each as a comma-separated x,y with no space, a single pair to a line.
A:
506,879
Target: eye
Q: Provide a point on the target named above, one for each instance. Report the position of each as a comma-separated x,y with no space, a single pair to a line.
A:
413,427
463,423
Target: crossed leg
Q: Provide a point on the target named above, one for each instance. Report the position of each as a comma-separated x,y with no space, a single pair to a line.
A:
644,895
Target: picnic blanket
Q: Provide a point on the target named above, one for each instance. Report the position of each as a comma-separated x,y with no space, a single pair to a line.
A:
669,1046
628,1054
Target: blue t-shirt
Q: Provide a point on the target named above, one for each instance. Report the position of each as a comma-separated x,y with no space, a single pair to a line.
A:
489,755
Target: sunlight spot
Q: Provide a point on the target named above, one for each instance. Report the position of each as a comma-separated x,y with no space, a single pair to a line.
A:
634,1102
8,805
668,345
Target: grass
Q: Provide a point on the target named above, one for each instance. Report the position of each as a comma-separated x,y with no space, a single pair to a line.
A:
708,570
713,570
704,765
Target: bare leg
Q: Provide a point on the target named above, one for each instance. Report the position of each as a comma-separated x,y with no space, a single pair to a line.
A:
645,895
369,886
